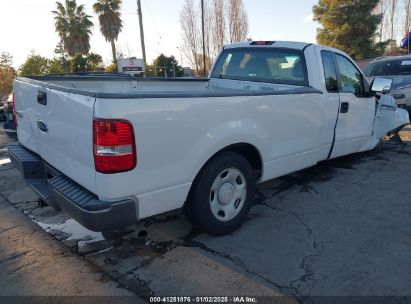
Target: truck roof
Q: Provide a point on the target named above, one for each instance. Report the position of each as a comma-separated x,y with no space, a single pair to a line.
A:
276,44
297,45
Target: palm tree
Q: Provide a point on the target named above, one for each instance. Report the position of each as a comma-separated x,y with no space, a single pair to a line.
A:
73,26
108,12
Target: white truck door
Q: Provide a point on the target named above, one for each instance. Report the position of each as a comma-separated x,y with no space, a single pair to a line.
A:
357,110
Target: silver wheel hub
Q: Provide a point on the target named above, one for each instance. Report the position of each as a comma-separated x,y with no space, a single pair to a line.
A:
228,194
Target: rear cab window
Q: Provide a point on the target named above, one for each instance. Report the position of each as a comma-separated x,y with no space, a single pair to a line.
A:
271,65
388,67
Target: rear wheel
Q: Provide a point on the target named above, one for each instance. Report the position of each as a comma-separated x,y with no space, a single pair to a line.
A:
221,195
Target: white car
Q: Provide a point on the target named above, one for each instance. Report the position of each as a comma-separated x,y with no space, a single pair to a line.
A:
111,150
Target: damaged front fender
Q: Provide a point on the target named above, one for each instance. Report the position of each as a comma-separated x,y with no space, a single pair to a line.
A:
388,117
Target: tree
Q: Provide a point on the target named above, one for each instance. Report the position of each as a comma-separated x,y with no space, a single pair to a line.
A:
217,16
219,26
381,10
78,63
73,26
7,74
94,62
60,63
392,17
170,64
407,16
108,12
349,25
6,60
112,68
90,63
34,65
191,34
237,21
209,20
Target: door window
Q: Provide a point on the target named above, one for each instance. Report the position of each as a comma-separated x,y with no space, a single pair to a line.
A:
350,77
330,74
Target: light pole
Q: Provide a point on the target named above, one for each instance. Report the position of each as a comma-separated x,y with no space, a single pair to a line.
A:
140,20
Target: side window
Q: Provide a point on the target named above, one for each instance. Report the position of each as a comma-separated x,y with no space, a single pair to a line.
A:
351,79
330,74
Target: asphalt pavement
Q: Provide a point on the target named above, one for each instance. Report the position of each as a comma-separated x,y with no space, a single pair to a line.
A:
33,264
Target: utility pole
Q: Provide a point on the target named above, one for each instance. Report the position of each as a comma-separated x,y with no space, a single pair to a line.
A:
140,20
202,27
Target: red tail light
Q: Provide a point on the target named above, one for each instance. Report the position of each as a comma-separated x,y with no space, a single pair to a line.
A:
14,110
114,146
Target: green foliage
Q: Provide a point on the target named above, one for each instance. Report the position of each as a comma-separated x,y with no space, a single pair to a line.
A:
6,81
61,62
6,60
94,62
349,25
108,12
7,74
382,47
78,63
73,26
169,63
392,49
90,63
34,65
112,68
55,67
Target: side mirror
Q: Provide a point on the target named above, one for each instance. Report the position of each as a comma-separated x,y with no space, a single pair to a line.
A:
381,85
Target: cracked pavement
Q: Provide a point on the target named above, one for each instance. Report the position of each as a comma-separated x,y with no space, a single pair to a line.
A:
341,228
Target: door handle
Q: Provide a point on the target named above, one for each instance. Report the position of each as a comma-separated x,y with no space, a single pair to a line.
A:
42,98
42,126
345,106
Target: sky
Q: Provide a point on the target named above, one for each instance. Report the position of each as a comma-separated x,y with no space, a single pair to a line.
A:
27,25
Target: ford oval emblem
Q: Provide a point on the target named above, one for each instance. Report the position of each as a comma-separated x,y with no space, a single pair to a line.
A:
42,126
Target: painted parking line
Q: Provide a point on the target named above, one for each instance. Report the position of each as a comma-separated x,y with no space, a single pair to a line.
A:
5,161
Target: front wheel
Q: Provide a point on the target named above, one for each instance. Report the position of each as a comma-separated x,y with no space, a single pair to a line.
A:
221,195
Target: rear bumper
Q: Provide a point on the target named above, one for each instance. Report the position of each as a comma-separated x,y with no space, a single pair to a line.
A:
62,193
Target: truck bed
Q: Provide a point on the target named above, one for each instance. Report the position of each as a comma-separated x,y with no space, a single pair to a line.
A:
124,86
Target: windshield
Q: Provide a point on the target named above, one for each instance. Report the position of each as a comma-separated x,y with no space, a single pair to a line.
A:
388,67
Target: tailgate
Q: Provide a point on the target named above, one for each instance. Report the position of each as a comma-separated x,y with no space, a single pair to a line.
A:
57,125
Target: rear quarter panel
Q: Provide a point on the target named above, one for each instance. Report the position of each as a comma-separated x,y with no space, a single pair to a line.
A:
175,137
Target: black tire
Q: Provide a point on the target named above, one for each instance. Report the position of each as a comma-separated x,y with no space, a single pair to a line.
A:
198,207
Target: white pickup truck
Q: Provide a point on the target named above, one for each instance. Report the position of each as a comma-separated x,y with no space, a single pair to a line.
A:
111,150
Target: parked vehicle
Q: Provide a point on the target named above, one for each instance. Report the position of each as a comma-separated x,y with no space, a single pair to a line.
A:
2,115
3,102
113,150
10,126
399,70
405,42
